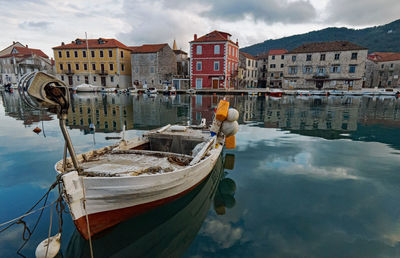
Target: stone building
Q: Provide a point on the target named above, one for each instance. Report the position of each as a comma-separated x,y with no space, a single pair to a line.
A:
275,67
383,70
101,62
248,71
262,63
181,79
17,60
325,65
152,65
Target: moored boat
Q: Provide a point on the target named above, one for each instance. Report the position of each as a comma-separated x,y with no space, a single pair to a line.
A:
87,88
276,93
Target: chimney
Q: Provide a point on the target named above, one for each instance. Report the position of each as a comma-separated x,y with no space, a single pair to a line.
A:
26,46
237,42
13,42
195,36
62,43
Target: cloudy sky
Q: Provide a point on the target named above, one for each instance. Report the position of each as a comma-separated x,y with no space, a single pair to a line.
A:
46,23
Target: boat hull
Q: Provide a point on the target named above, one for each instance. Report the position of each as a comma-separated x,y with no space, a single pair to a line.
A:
108,201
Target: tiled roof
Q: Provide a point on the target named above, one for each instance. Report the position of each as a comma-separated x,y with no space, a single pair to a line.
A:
273,52
149,48
178,51
384,56
326,47
214,36
93,43
247,55
262,56
26,52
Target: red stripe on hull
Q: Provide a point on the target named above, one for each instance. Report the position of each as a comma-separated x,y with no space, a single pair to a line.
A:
103,220
275,94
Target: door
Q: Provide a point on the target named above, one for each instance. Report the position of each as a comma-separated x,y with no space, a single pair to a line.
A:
320,84
70,81
103,81
215,84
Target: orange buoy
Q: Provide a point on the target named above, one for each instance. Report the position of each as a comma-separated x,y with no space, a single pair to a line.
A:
230,142
37,130
222,110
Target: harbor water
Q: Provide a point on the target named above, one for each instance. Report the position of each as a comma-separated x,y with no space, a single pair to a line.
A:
311,176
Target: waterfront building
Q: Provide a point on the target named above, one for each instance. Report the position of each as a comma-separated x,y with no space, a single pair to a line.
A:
383,70
262,63
152,65
214,60
101,62
325,65
276,67
17,60
248,71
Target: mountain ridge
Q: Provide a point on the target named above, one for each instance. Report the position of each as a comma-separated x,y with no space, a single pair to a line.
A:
381,38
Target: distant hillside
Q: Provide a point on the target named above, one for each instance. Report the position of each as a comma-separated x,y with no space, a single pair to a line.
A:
385,38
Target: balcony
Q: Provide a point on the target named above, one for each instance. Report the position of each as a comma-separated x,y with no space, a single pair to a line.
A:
67,71
102,72
323,75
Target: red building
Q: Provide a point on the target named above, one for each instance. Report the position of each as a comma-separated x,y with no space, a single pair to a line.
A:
214,61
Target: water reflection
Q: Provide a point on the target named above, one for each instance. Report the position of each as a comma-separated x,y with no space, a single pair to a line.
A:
166,231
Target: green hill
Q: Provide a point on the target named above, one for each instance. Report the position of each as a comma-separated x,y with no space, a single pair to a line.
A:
385,38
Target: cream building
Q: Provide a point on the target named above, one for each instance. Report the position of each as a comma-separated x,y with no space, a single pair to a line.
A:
325,65
248,71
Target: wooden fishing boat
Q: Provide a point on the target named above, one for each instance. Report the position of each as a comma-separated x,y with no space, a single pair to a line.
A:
127,179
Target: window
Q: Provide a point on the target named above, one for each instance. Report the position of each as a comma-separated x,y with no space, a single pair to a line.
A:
352,68
111,67
321,70
389,83
61,67
77,78
273,57
76,54
198,66
382,66
337,56
272,74
59,54
67,54
93,67
69,67
216,66
391,65
307,69
84,53
62,77
112,78
272,66
152,69
122,54
293,58
199,83
87,80
137,69
109,53
198,50
335,69
94,78
282,65
85,67
76,66
101,53
322,57
281,75
216,50
93,53
354,56
282,57
122,67
308,58
292,69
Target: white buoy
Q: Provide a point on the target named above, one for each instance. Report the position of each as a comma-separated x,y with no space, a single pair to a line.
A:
230,128
54,244
233,115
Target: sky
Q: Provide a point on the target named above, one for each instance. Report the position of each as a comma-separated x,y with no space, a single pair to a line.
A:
45,24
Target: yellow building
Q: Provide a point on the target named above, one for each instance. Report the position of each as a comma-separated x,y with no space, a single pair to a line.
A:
100,62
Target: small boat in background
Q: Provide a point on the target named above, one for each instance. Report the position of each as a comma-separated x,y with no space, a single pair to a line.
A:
151,91
87,88
276,93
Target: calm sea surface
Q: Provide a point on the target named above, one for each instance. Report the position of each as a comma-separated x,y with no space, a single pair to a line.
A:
310,177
